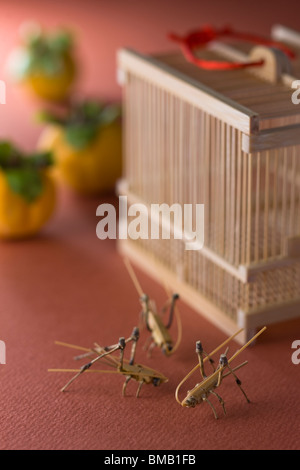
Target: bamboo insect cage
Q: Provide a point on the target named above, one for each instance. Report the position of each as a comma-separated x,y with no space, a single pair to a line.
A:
228,139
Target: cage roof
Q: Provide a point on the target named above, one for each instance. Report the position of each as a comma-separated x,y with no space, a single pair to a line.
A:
272,102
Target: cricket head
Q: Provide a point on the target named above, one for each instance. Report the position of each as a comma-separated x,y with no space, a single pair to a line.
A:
223,361
144,299
190,401
167,348
158,379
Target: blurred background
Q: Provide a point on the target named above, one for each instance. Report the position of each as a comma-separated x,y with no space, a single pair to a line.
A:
101,27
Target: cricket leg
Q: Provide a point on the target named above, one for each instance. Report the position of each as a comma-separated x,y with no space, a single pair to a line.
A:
128,377
199,352
141,320
139,388
211,361
82,356
147,343
220,400
134,337
238,382
152,345
145,304
120,345
83,369
212,407
172,308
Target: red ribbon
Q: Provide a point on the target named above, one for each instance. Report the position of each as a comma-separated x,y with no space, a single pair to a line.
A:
202,37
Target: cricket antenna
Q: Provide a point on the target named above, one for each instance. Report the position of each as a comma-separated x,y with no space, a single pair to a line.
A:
133,277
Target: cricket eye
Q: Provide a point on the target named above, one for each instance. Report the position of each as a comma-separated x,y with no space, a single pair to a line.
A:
167,348
156,381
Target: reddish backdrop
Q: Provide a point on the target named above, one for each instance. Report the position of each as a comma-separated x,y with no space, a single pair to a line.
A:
67,285
104,26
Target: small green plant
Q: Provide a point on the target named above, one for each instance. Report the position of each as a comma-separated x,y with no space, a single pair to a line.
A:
45,52
83,120
23,172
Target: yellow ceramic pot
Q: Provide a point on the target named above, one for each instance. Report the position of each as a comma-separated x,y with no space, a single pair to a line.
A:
55,87
89,170
20,218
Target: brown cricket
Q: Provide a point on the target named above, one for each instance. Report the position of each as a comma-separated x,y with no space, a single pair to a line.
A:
159,332
142,374
203,390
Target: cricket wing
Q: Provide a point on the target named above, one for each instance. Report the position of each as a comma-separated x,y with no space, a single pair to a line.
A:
139,370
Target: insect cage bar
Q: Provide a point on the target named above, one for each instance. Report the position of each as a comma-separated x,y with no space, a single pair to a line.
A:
228,138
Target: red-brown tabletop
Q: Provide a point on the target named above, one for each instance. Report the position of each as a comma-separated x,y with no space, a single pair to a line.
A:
68,285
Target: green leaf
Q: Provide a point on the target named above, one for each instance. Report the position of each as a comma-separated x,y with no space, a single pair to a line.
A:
6,149
23,172
84,120
90,110
47,116
40,160
109,114
26,182
79,136
46,52
61,42
9,155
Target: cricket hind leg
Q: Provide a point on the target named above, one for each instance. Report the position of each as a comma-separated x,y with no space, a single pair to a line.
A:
201,353
172,303
121,345
134,337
